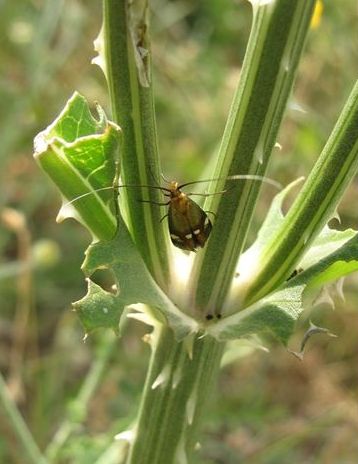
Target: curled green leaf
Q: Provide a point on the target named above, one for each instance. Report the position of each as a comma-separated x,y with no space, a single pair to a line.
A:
79,152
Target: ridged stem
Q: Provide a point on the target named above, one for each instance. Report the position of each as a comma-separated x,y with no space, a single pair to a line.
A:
179,382
276,42
128,72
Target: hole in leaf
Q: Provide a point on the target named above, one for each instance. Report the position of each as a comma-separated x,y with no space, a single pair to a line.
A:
105,279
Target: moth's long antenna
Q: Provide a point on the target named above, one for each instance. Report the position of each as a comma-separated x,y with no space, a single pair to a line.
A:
144,185
164,178
153,177
264,179
161,175
89,193
206,194
115,188
116,192
237,177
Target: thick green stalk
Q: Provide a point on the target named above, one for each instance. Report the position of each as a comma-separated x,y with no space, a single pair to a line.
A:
165,433
313,207
277,38
179,381
128,72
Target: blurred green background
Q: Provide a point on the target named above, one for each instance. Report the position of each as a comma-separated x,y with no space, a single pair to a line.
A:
269,407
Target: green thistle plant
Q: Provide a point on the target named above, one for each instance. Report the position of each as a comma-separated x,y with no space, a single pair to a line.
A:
250,289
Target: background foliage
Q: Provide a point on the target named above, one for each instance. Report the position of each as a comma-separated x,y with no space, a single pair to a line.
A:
270,407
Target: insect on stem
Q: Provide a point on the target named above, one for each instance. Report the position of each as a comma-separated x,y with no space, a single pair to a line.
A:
189,225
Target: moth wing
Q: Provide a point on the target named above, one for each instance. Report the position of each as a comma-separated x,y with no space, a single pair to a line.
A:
190,229
180,229
200,224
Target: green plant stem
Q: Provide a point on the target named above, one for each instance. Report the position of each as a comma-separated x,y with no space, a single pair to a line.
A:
276,41
129,81
23,435
179,381
313,207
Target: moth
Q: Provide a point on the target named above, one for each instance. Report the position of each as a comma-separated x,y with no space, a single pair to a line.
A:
189,225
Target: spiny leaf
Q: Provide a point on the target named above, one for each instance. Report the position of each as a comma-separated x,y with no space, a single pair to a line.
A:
278,312
134,285
327,242
79,153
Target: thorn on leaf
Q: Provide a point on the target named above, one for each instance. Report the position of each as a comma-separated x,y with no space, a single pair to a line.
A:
312,330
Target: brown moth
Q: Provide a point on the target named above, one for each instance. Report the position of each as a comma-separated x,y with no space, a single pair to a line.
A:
189,225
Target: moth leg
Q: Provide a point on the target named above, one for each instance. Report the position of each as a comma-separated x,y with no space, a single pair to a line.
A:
210,212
